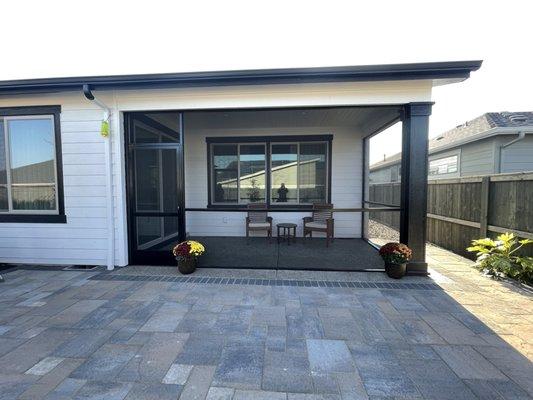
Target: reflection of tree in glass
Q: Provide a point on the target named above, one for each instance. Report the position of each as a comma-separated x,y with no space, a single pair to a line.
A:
254,193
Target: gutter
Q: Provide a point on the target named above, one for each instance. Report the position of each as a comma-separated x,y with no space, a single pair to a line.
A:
521,135
451,70
109,178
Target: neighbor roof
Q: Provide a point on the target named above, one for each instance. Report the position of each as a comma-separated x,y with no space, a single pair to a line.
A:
439,72
476,129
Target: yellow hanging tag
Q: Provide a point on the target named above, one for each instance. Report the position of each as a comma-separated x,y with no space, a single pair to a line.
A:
104,131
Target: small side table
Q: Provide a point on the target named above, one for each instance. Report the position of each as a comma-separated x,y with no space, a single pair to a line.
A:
287,234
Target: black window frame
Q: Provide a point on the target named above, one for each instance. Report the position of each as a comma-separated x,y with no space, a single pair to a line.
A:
267,141
60,217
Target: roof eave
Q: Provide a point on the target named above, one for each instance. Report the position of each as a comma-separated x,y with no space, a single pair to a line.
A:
439,71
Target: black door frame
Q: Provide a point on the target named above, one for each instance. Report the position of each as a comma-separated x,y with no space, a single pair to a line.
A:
147,257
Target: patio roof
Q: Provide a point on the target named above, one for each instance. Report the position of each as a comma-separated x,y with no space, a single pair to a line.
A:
438,72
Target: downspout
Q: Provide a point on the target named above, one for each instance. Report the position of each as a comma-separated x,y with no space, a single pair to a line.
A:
105,131
521,135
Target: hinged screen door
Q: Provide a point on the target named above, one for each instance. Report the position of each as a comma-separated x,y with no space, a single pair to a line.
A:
155,186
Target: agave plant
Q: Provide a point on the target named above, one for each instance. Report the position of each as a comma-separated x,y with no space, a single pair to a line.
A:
498,257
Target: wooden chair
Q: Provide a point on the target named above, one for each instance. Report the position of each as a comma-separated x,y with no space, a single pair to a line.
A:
321,221
258,220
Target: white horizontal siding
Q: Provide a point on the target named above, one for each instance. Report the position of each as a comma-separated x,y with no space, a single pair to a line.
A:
83,239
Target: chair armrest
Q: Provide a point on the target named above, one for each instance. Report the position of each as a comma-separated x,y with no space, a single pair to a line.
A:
269,220
307,219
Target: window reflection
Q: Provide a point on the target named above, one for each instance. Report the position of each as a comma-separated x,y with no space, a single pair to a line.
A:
226,171
298,172
31,165
284,173
252,173
312,172
3,173
157,128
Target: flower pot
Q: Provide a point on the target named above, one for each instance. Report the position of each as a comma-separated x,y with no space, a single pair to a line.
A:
187,265
395,271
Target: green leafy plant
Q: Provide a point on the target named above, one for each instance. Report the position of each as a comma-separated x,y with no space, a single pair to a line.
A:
498,257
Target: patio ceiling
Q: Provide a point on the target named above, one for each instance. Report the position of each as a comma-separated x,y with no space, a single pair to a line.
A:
366,119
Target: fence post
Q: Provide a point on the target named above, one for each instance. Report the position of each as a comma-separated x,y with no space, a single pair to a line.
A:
484,211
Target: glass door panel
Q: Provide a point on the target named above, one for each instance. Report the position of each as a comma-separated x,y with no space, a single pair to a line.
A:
156,192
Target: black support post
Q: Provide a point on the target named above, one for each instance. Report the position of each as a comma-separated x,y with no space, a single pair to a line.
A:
414,176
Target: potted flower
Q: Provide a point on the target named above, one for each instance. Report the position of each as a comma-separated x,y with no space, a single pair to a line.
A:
187,254
395,256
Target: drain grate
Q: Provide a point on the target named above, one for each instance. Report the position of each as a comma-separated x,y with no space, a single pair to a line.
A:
80,268
264,282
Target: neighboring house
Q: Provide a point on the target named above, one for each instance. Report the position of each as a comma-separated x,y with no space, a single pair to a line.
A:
186,152
493,143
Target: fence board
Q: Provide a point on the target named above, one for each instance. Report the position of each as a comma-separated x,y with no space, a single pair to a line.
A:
456,209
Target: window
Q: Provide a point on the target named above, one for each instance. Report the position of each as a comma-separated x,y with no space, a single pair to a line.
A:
299,173
276,170
239,173
441,166
28,167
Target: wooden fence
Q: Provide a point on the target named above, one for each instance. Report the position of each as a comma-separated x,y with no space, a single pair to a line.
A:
463,209
385,194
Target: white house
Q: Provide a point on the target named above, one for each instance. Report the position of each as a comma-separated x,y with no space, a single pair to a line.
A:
184,153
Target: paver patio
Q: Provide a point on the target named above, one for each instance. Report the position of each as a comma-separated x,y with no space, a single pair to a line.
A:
142,335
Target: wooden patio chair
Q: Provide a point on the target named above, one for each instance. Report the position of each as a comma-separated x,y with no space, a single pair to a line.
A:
258,220
321,221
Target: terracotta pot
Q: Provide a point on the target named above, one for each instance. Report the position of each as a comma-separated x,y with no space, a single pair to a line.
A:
395,271
187,265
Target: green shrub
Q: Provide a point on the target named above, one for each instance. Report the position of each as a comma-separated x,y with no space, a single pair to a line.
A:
497,257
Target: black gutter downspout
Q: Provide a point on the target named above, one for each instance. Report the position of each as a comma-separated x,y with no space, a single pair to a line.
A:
87,92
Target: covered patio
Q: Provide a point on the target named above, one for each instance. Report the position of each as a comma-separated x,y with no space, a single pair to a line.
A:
287,160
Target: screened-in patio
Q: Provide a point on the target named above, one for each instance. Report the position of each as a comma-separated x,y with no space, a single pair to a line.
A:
287,160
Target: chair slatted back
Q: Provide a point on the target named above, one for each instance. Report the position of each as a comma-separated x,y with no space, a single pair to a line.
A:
257,212
322,212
